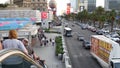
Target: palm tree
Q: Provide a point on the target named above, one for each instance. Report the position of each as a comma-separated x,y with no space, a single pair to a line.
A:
3,5
100,13
93,17
118,20
111,18
79,16
84,15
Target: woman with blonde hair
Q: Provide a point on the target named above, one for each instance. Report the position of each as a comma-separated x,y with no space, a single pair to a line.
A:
13,43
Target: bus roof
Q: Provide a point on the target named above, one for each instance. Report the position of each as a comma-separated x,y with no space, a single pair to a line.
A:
67,28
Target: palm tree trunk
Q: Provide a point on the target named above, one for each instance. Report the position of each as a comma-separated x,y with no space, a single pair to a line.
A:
111,26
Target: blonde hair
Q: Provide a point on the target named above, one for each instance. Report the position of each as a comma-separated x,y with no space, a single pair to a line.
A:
13,34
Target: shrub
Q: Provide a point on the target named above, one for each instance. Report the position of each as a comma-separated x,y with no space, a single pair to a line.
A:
59,48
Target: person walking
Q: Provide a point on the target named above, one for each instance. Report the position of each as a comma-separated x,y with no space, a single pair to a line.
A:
50,40
13,43
53,42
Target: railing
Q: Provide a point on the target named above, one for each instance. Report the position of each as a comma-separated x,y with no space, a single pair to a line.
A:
66,57
8,52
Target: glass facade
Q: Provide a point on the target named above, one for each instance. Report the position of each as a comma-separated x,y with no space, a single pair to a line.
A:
112,4
91,5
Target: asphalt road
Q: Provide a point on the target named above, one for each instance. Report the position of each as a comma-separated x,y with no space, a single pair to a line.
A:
80,57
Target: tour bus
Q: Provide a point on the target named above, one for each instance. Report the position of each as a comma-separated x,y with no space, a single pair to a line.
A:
67,32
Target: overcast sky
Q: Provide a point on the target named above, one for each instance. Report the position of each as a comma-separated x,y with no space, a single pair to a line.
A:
3,1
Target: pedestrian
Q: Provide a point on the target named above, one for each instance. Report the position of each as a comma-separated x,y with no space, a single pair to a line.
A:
50,40
43,41
29,48
13,43
53,42
47,41
41,62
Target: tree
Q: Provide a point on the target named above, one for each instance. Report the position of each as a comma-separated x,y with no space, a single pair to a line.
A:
3,5
93,17
84,15
111,18
100,15
118,20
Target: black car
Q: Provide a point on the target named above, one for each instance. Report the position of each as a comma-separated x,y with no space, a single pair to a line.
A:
99,32
86,44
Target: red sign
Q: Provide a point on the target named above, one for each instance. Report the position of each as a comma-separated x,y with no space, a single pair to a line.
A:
68,8
44,15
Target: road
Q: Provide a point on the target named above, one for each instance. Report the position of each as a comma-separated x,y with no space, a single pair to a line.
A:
80,57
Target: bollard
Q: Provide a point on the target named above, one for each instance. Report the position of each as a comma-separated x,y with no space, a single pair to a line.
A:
63,59
68,66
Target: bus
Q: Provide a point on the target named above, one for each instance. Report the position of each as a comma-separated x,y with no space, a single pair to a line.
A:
67,32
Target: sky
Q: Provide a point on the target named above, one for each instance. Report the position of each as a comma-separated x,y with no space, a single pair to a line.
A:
3,1
61,4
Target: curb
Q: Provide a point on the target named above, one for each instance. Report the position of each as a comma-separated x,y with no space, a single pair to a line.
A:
66,58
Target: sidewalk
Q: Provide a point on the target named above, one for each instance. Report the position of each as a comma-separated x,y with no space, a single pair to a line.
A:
48,53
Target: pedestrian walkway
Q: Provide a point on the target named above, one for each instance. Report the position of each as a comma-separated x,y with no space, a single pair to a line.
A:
48,53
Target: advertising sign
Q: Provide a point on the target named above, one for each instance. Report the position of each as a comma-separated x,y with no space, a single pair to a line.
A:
68,8
44,15
101,48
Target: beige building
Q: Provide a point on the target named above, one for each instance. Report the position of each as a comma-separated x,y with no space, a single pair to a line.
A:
34,4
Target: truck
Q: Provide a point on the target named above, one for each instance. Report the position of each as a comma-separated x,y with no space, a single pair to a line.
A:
106,51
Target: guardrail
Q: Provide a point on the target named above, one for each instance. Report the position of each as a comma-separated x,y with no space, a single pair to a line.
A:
66,58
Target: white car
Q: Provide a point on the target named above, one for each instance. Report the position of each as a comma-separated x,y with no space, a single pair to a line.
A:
114,38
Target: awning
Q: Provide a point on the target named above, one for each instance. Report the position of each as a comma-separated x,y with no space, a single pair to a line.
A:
8,25
15,23
18,19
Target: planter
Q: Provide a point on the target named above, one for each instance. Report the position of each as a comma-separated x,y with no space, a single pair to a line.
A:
60,56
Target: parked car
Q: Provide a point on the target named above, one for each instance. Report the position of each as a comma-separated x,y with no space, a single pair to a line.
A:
73,25
99,32
93,29
113,37
83,26
80,37
86,44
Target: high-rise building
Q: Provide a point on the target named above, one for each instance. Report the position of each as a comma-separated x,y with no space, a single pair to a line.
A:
91,5
79,5
74,5
83,5
34,4
112,4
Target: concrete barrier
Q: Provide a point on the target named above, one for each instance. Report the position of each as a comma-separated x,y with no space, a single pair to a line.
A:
66,58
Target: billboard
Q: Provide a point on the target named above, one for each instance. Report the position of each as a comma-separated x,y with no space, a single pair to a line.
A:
44,15
68,8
